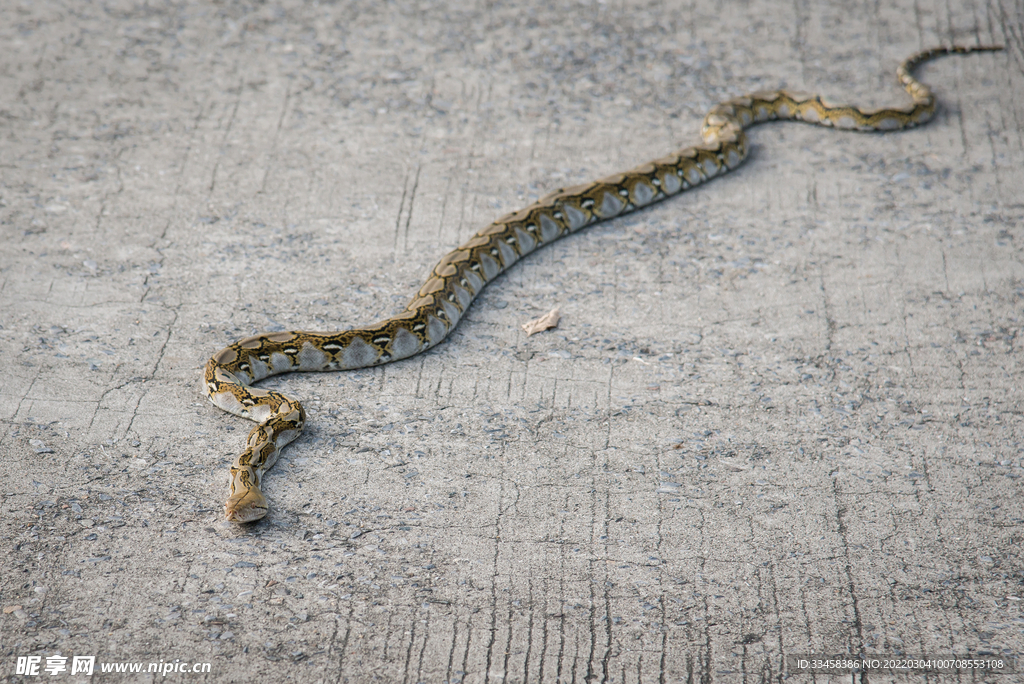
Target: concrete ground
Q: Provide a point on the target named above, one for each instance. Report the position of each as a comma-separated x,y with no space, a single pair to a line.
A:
782,413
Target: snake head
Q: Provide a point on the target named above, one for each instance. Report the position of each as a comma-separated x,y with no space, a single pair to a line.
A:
246,506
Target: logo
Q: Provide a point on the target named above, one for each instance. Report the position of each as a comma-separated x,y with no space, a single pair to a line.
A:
55,664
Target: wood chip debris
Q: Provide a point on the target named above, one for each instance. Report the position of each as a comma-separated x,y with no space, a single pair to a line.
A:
548,320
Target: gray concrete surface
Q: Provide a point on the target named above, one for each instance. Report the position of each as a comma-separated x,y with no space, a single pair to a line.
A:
782,414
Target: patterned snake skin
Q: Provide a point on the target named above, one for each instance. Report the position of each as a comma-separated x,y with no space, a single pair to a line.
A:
461,274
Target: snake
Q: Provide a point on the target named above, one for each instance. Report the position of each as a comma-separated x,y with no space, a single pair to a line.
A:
461,274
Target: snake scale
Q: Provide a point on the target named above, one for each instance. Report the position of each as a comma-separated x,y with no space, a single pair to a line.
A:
461,274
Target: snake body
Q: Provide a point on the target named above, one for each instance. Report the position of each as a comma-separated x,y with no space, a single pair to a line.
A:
461,274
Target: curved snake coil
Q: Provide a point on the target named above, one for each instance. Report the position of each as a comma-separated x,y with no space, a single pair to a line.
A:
461,274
